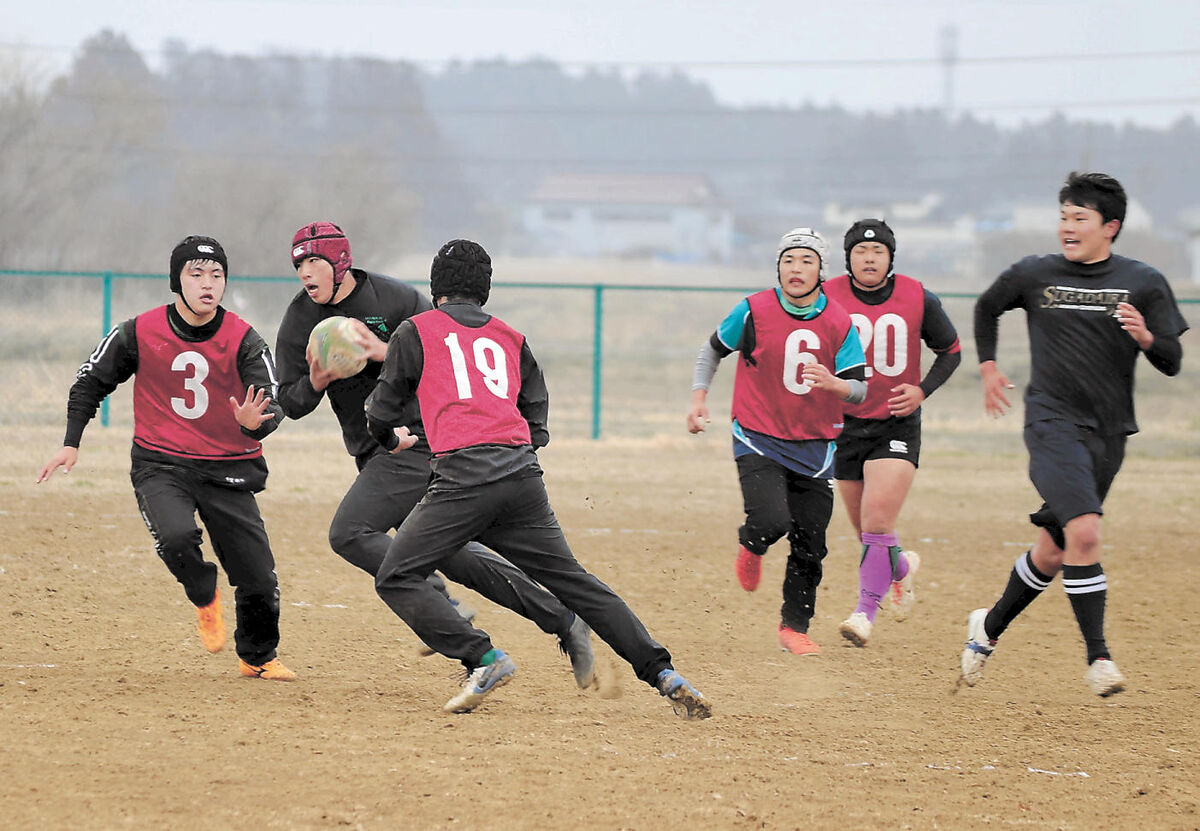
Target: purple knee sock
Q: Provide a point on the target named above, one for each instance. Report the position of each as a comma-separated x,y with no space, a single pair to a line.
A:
875,572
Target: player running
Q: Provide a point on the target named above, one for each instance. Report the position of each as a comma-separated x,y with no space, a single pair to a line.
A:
880,446
202,400
388,486
1090,314
484,406
801,363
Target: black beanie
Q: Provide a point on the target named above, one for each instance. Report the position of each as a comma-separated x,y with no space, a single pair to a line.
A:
461,269
195,248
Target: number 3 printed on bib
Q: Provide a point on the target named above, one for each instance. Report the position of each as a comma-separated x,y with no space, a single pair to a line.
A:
489,361
196,367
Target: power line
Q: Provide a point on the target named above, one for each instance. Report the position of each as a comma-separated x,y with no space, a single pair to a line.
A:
575,111
758,64
479,160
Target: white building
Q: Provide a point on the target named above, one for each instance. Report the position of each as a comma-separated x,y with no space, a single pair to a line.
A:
928,247
1043,216
593,215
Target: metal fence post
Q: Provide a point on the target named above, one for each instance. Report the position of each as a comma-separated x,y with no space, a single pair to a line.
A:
106,322
597,356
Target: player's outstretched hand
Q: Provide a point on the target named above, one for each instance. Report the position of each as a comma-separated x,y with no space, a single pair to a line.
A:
407,439
905,400
1133,322
995,382
64,458
251,412
375,349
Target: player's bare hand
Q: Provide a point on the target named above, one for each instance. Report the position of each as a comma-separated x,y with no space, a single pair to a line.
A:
905,400
65,458
319,378
252,413
375,349
819,377
407,439
697,417
995,382
1134,322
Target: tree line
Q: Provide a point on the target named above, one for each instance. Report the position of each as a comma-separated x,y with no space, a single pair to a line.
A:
107,165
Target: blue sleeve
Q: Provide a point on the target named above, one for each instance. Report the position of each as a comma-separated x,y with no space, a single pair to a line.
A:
850,355
731,328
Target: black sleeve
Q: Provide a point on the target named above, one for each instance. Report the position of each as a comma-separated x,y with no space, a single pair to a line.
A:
1166,323
939,334
940,370
296,395
256,368
1000,297
111,364
1166,354
721,349
390,404
853,373
534,399
383,434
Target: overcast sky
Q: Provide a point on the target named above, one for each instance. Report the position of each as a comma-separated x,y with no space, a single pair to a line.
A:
1093,59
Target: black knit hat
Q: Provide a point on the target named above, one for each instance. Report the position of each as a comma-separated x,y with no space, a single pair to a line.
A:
461,269
195,247
869,230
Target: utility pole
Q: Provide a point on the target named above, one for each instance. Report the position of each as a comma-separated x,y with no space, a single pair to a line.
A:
948,40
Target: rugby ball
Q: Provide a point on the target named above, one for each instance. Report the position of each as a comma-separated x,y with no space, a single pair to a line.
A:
335,349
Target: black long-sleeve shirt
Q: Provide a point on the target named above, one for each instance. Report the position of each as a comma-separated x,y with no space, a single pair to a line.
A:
115,361
1082,361
382,303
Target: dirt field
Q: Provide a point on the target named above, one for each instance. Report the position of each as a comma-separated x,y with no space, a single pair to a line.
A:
113,716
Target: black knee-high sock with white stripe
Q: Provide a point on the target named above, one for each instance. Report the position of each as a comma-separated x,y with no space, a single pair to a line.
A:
1087,589
1025,583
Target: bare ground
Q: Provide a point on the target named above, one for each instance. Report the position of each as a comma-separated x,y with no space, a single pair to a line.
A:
113,716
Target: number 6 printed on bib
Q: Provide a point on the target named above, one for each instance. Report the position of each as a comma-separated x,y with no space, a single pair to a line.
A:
794,359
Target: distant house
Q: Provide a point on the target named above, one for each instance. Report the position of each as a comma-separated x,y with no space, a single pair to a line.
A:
929,244
1190,219
674,217
1043,216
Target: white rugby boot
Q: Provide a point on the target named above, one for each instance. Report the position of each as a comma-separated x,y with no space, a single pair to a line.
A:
978,649
1104,678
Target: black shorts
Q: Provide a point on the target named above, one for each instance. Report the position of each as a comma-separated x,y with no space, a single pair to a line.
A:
864,439
1072,468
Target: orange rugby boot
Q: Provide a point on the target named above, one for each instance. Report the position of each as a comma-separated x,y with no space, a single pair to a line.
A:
749,568
272,670
211,625
798,643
